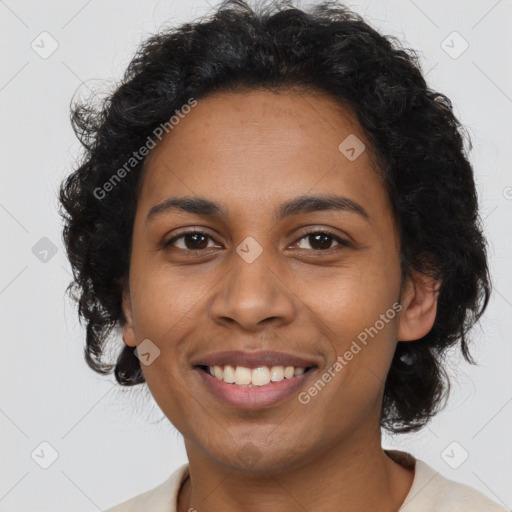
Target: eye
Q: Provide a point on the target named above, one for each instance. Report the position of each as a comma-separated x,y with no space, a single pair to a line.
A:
321,240
198,241
192,241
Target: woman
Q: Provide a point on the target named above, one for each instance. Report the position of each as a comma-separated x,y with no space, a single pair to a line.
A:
280,215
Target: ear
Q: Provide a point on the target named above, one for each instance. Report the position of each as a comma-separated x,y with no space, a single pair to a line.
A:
128,328
419,307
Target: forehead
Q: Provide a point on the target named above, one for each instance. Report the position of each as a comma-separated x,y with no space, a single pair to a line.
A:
286,118
256,146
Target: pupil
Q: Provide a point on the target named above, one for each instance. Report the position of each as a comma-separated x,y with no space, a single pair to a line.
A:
195,237
324,241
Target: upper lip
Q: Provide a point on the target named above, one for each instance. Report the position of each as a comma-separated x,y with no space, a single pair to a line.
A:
254,359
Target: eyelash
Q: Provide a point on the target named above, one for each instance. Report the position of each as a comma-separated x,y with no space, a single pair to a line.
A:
341,241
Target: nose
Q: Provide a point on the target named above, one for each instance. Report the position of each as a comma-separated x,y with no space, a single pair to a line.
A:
253,295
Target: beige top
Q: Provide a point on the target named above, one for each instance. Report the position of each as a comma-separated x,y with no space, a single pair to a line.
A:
430,492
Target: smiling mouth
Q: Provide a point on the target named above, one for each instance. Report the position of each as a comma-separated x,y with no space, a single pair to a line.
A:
241,376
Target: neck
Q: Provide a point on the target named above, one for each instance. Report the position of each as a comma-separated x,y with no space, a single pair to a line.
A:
352,478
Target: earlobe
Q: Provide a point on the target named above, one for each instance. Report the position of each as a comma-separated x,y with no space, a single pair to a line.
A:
419,302
128,329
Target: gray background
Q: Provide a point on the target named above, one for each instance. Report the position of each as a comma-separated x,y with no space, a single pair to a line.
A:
110,443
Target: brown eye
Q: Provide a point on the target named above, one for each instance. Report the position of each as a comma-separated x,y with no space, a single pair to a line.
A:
192,241
197,241
321,240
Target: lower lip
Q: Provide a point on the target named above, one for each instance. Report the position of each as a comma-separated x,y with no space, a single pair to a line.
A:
257,397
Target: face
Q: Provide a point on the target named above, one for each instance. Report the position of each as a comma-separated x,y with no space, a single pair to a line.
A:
307,281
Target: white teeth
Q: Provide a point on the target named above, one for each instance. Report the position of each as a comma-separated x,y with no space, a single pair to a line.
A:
218,373
276,373
229,374
242,375
288,372
260,376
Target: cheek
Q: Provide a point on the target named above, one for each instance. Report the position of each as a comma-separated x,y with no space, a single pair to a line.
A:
163,299
353,298
169,392
358,313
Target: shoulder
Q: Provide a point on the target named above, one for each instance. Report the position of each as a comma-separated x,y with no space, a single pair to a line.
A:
162,498
432,492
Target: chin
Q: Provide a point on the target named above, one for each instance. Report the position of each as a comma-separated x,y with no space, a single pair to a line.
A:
253,456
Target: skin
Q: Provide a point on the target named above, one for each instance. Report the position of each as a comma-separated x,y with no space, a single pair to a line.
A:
251,151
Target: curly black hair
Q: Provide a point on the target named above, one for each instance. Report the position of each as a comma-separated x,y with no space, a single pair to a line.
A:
420,146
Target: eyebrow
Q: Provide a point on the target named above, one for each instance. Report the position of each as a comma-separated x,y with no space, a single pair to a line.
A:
301,204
